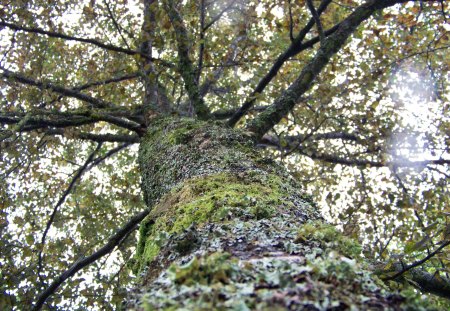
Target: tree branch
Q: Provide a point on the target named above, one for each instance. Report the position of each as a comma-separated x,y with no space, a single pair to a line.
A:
332,44
95,137
37,122
291,22
111,152
61,200
202,42
185,65
362,162
218,16
295,48
316,18
127,124
106,81
113,241
71,38
97,103
291,142
116,25
66,119
427,282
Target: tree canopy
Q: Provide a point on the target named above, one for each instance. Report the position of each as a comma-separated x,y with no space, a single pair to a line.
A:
351,96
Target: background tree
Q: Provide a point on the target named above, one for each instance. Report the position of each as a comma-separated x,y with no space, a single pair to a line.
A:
351,96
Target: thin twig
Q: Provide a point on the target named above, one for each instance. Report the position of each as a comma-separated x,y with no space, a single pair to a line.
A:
116,25
218,16
316,17
291,22
106,81
110,153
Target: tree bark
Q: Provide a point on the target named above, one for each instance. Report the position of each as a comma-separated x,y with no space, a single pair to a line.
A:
230,229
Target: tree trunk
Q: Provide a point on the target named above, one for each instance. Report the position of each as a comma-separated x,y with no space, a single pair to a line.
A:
231,229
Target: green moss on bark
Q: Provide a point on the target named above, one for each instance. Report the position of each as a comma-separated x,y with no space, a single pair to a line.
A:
212,199
330,238
174,150
219,281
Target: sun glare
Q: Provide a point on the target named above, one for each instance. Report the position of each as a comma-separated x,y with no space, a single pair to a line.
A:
419,111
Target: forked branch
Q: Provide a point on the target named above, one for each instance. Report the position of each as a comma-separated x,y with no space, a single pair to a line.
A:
185,64
332,44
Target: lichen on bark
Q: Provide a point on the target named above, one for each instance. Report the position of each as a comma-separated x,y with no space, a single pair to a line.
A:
229,229
198,172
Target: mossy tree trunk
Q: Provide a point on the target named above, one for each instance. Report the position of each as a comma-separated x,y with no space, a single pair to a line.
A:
231,229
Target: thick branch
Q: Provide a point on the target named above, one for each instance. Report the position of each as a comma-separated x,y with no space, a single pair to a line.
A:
225,114
113,241
296,47
184,62
332,44
291,142
66,119
405,268
38,122
155,96
430,283
127,124
202,41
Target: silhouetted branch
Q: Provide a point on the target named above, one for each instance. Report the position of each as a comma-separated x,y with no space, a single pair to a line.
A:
296,47
113,241
443,289
110,153
291,22
332,44
61,200
218,16
107,81
361,162
51,34
116,25
97,103
316,18
94,137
